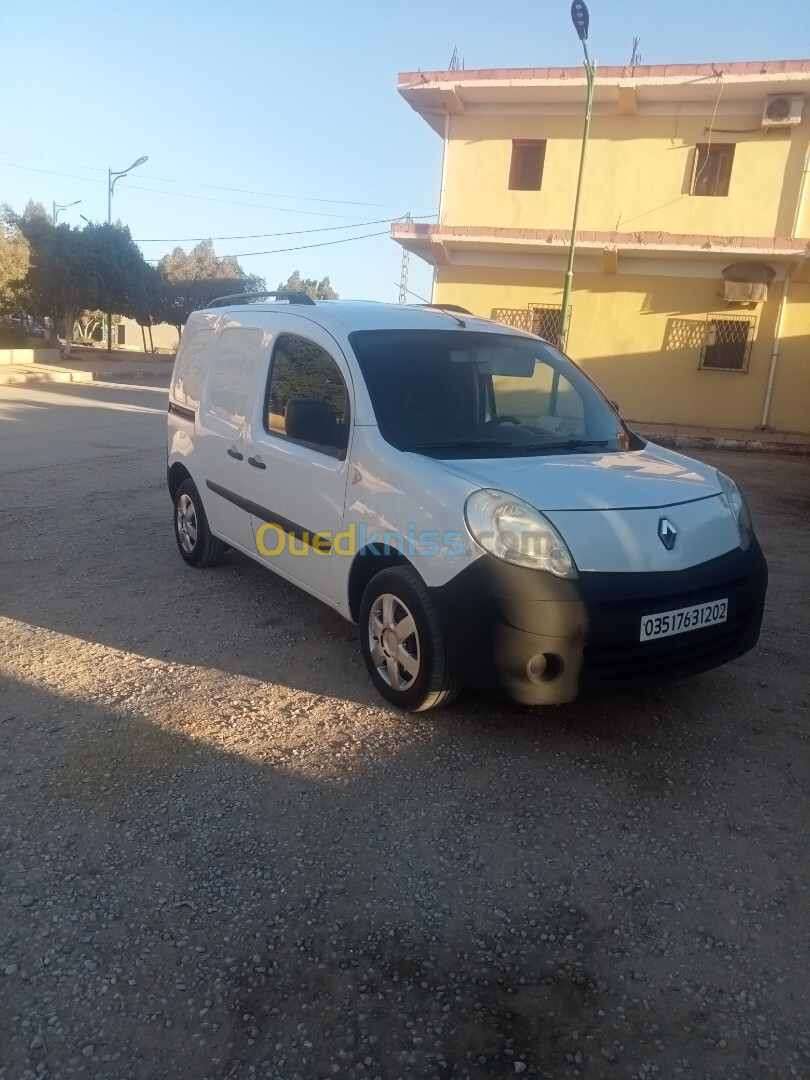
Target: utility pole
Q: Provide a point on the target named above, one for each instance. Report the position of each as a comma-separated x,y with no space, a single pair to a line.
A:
111,179
580,19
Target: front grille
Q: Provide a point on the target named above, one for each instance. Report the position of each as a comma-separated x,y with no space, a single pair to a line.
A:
669,601
616,661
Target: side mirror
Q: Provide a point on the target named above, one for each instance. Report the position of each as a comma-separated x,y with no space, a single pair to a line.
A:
313,420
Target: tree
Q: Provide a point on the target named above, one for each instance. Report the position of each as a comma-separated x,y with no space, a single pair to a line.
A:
14,260
117,265
318,290
190,281
98,267
60,275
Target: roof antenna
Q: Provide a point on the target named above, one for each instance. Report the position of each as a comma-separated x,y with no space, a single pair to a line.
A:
635,59
452,309
455,63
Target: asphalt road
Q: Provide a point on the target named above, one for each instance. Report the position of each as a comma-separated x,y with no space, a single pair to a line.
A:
50,424
222,855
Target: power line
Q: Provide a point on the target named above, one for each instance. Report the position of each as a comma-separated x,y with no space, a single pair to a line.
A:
303,247
186,183
267,194
181,194
261,236
299,247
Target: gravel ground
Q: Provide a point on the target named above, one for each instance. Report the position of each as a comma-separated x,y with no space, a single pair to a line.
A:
221,855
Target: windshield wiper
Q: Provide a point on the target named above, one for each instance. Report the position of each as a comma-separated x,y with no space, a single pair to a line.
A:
464,444
518,448
570,444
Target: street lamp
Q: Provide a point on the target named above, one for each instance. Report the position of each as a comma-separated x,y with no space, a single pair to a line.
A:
111,179
580,19
65,206
56,209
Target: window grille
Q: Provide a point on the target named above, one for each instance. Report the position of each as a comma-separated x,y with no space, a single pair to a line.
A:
541,319
727,342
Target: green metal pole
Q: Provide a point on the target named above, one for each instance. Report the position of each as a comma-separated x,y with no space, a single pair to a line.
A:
590,74
109,222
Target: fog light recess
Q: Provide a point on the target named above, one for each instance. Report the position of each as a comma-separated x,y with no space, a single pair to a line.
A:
544,667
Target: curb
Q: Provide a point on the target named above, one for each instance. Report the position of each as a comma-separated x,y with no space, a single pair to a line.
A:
23,376
19,376
140,374
757,444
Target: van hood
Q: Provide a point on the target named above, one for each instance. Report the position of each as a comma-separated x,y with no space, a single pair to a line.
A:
635,479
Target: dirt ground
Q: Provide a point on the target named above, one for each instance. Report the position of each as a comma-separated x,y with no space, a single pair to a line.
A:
222,855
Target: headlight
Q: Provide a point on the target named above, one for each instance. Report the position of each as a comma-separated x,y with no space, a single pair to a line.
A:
739,508
510,529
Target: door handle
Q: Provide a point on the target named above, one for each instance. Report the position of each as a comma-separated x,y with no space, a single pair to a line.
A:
257,463
234,453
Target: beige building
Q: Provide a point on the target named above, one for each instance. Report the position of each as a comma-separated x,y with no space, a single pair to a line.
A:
691,295
129,335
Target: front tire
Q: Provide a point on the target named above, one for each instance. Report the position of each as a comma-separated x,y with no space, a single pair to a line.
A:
195,541
402,642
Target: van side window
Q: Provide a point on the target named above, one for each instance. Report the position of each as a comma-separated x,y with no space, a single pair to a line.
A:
189,368
232,377
307,400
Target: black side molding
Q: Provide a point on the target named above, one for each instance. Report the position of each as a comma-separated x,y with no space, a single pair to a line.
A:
181,410
306,536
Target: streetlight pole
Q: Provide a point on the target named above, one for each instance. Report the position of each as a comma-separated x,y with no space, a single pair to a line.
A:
56,208
64,206
580,19
111,179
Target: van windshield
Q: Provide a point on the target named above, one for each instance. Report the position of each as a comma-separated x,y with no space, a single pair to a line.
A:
452,393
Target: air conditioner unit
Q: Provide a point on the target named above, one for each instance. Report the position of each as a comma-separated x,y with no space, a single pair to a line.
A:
744,292
782,110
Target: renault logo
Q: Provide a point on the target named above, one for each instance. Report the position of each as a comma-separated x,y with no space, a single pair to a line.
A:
667,533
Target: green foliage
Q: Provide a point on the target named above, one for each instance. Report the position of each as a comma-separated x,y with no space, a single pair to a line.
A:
97,268
318,290
14,260
188,281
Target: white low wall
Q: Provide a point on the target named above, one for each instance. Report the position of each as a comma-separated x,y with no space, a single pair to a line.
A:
30,356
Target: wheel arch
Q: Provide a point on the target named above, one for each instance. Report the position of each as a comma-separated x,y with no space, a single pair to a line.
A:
175,475
368,562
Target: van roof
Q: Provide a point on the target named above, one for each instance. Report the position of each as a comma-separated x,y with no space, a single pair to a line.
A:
351,315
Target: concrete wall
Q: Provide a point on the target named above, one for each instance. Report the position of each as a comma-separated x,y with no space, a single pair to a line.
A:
790,404
30,356
164,337
638,176
641,337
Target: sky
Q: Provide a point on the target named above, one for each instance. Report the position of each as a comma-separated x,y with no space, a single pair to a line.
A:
278,118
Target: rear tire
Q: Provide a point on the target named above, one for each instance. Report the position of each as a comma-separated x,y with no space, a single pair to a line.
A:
402,642
195,541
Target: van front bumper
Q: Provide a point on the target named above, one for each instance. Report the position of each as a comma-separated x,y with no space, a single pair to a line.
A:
540,640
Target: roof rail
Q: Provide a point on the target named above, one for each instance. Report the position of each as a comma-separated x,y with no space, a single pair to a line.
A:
448,307
285,294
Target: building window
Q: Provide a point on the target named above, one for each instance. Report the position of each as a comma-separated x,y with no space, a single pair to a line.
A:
121,332
546,321
526,169
712,174
727,342
541,319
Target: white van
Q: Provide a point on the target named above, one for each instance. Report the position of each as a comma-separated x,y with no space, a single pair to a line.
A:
462,491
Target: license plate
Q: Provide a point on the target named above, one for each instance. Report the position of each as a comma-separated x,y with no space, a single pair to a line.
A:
667,623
